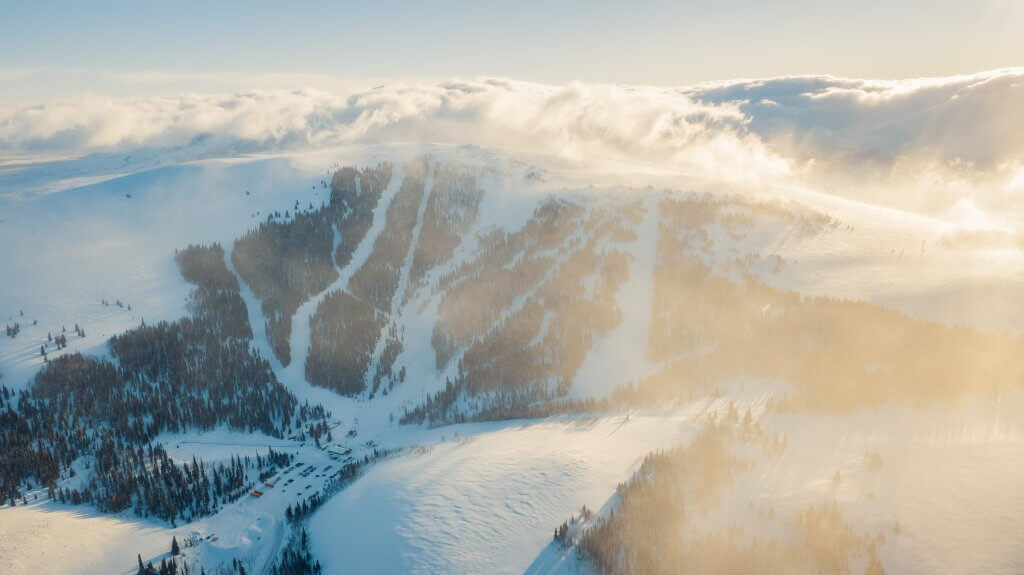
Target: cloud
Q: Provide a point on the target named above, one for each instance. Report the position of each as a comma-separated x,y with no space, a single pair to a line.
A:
921,144
590,123
580,122
93,124
916,144
969,119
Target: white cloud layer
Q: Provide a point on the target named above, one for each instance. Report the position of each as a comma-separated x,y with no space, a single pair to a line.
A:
944,146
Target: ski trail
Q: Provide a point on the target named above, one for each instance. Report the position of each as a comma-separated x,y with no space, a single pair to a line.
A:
260,342
520,300
293,376
403,282
299,338
620,356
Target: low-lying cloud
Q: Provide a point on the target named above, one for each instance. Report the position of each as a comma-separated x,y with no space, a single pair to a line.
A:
940,144
947,146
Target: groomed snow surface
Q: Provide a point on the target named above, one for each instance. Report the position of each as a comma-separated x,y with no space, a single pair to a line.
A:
487,500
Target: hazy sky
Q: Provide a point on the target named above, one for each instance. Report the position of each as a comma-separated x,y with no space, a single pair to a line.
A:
52,49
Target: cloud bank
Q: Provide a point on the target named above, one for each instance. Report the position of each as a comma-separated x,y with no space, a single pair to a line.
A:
942,146
951,144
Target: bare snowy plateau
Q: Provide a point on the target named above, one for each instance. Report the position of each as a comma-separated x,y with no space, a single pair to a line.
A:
496,343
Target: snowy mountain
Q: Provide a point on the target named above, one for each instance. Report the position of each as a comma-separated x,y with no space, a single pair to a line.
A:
425,358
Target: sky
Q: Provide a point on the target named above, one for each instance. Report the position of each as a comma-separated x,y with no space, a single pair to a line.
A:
62,48
912,104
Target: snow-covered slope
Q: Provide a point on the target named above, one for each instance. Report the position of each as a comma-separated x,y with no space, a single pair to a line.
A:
64,254
485,500
473,497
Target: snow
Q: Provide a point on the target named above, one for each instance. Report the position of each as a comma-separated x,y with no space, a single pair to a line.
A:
487,500
58,538
893,258
403,279
293,376
250,528
620,356
221,444
49,538
486,497
64,253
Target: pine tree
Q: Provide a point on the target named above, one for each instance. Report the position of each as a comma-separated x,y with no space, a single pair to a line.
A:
175,549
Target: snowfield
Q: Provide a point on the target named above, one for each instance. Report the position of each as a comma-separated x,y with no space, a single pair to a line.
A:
65,253
484,501
45,539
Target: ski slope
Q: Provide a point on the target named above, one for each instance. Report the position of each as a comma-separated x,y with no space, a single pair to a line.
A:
620,356
485,497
